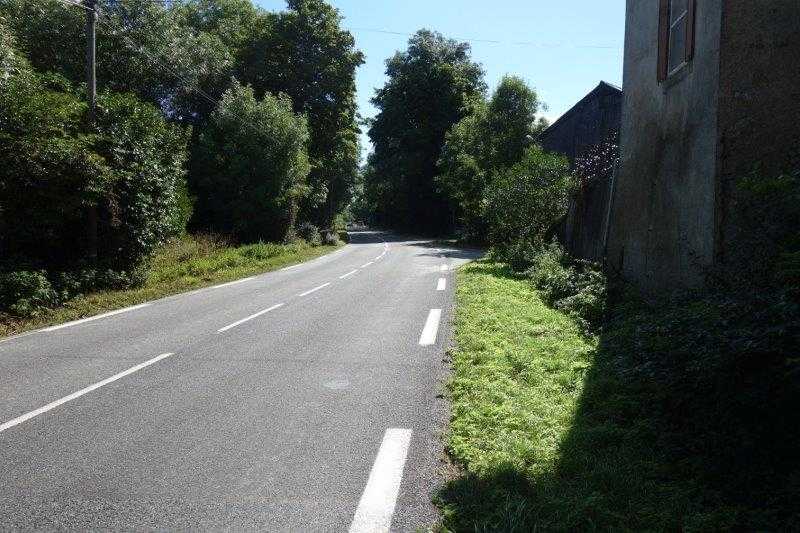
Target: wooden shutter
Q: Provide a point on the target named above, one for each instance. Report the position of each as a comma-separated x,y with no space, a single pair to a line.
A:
663,39
690,17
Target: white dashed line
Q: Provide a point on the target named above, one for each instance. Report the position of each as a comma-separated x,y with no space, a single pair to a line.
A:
368,264
376,507
74,395
444,268
315,289
431,329
345,276
251,317
96,317
237,282
442,285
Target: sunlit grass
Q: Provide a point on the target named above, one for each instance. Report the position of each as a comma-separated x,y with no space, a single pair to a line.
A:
189,263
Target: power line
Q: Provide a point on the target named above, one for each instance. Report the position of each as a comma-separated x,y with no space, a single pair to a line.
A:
490,41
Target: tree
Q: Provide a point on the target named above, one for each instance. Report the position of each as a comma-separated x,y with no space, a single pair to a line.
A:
305,54
488,141
130,169
252,166
523,202
431,86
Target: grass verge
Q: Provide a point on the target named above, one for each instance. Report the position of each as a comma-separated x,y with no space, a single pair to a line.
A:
192,262
651,425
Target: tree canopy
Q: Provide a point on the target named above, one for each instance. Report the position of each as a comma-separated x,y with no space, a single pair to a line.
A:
431,86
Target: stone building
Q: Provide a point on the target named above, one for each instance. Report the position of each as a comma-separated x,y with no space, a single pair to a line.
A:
593,120
712,91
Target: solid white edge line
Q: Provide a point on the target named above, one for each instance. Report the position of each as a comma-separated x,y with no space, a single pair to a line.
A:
96,317
348,274
442,285
74,395
315,289
251,317
376,506
232,283
431,329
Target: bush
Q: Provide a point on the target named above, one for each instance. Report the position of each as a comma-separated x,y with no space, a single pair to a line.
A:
24,293
309,233
578,288
127,175
250,167
524,202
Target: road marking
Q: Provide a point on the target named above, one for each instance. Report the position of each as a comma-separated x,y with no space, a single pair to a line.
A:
96,317
348,274
376,507
315,289
251,317
237,282
292,267
444,268
74,395
368,264
442,285
431,329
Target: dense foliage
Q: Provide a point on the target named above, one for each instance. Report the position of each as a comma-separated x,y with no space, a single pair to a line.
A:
94,202
431,86
524,202
252,166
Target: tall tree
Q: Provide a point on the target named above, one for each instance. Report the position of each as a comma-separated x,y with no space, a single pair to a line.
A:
431,86
253,165
487,142
306,54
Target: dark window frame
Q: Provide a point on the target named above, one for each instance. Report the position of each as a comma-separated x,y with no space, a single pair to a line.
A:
665,27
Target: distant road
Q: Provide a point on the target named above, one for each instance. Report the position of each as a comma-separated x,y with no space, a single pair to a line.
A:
299,400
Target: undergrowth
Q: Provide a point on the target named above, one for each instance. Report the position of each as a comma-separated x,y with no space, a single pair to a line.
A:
679,415
188,263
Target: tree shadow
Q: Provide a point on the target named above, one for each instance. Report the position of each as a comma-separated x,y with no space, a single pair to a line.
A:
678,427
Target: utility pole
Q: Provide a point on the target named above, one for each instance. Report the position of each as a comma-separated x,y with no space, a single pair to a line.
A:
91,93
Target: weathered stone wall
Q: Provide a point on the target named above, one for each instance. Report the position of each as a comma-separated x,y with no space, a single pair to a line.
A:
759,117
662,229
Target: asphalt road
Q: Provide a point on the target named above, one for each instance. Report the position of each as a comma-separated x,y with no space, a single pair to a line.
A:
264,404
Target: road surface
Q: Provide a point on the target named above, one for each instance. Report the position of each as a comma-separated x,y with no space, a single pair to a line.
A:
307,399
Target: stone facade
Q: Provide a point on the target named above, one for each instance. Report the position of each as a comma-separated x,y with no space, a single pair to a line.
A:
733,104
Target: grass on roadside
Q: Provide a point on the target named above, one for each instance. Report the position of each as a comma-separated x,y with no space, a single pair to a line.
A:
649,426
189,263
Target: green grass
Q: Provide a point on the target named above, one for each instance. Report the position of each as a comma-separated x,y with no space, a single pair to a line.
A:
650,426
189,263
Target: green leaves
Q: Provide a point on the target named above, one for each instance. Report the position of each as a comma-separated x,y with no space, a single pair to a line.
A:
525,201
252,166
428,91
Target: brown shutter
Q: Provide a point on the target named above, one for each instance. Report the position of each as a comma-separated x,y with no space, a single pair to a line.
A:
690,31
663,39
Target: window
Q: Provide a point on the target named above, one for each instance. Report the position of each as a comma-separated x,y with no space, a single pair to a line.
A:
676,36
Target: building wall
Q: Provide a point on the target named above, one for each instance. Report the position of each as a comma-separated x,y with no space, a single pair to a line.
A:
662,230
759,119
596,118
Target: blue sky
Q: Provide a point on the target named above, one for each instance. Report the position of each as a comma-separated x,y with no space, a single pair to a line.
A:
563,48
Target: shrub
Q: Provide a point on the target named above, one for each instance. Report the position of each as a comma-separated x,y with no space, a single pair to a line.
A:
578,288
53,176
309,233
524,202
23,293
250,167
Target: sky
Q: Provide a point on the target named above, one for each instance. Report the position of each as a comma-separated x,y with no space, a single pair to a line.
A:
563,48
